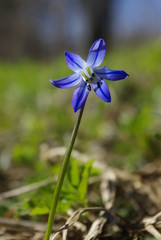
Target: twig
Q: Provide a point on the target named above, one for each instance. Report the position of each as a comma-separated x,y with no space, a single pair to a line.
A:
24,189
153,231
24,224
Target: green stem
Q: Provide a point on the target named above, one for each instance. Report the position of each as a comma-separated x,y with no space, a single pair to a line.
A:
62,174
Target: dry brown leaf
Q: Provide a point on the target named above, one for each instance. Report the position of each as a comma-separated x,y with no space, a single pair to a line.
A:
96,228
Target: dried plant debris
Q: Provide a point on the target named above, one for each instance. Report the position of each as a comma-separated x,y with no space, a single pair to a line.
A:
96,228
108,188
109,225
130,209
73,221
11,229
142,190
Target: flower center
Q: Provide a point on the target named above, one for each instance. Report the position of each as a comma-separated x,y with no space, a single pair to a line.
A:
88,75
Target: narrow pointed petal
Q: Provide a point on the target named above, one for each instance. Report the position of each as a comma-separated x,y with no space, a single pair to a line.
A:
67,82
80,96
74,61
112,75
96,53
102,91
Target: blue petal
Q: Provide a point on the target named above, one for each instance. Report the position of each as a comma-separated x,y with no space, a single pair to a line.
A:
108,74
96,53
80,96
74,61
67,82
102,91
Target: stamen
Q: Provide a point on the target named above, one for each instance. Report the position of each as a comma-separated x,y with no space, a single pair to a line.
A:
84,76
88,86
88,71
87,74
98,84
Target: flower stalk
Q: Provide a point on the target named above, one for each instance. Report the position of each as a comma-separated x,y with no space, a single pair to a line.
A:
62,174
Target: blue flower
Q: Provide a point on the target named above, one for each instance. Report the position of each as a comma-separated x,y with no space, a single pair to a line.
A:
88,76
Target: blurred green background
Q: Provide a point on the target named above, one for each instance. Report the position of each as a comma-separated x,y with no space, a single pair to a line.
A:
125,132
